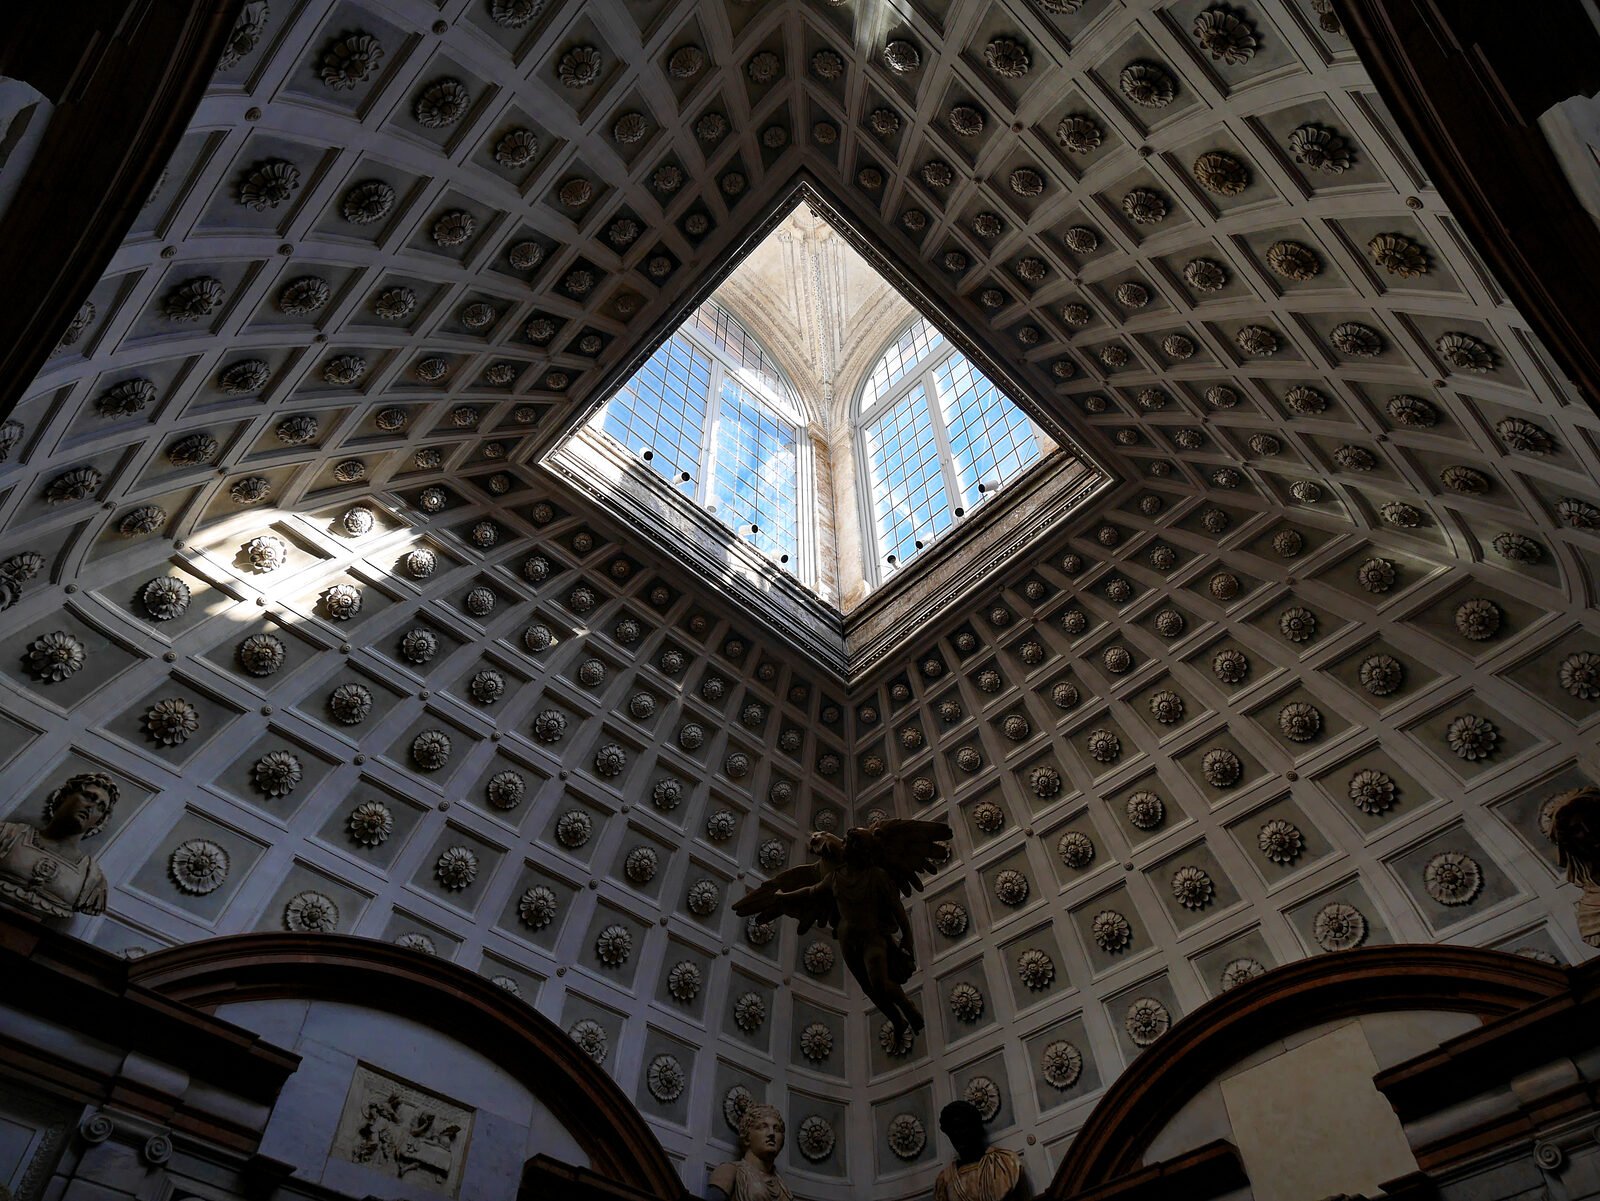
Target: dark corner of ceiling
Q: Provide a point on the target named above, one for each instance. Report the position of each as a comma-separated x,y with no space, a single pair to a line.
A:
57,238
1467,87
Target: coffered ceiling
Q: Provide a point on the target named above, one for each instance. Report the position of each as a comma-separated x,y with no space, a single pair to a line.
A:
437,208
1346,586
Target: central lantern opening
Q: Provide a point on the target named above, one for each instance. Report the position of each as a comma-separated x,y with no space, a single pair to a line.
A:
817,438
819,416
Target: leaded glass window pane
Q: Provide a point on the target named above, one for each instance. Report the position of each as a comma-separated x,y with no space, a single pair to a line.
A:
935,428
909,495
741,453
663,409
991,440
755,477
726,334
915,343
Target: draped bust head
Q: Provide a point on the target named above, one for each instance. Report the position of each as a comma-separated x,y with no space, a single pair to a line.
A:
82,805
963,1126
43,869
761,1129
1572,822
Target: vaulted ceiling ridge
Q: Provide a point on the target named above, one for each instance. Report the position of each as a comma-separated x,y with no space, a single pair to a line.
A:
791,345
864,339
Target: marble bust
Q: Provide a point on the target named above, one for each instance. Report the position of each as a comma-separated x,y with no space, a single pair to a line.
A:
751,1177
979,1172
42,868
1572,821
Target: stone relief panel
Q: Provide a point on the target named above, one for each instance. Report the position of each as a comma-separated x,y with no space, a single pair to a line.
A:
404,1132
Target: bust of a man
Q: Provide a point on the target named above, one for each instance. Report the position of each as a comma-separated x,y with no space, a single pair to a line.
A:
751,1177
979,1172
42,868
1572,822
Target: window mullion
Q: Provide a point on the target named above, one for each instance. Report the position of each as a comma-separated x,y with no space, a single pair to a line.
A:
702,486
866,499
947,458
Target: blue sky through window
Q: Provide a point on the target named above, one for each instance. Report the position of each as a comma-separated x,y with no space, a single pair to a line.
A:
754,477
663,408
740,451
915,343
912,502
927,460
991,439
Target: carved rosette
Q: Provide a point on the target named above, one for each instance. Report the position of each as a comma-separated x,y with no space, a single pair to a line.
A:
311,911
537,907
1147,1020
906,1136
1236,971
277,773
370,823
684,980
198,866
1452,878
749,1012
666,1078
1061,1064
815,1138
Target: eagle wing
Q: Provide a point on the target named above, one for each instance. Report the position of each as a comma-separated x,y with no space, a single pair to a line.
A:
905,848
800,892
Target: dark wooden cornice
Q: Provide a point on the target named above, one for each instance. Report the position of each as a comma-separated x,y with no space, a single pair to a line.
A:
1467,81
125,77
1518,1045
65,981
1212,1170
1112,1144
1565,1024
461,1004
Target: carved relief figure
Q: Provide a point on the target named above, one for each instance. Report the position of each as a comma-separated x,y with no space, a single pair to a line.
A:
979,1172
854,888
752,1177
1572,820
42,868
400,1130
397,1132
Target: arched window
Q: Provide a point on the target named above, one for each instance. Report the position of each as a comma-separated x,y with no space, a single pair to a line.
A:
712,413
936,438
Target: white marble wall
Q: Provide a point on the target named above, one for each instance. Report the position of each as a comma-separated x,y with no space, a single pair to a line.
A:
509,1126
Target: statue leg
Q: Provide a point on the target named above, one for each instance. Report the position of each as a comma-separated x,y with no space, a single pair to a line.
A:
888,996
913,1014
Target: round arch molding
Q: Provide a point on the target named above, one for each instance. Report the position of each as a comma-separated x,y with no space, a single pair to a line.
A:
449,998
1134,1110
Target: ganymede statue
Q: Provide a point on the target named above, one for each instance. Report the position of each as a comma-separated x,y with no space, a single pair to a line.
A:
751,1177
854,888
42,868
979,1172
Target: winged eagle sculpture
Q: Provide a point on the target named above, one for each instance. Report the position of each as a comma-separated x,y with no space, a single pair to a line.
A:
854,889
